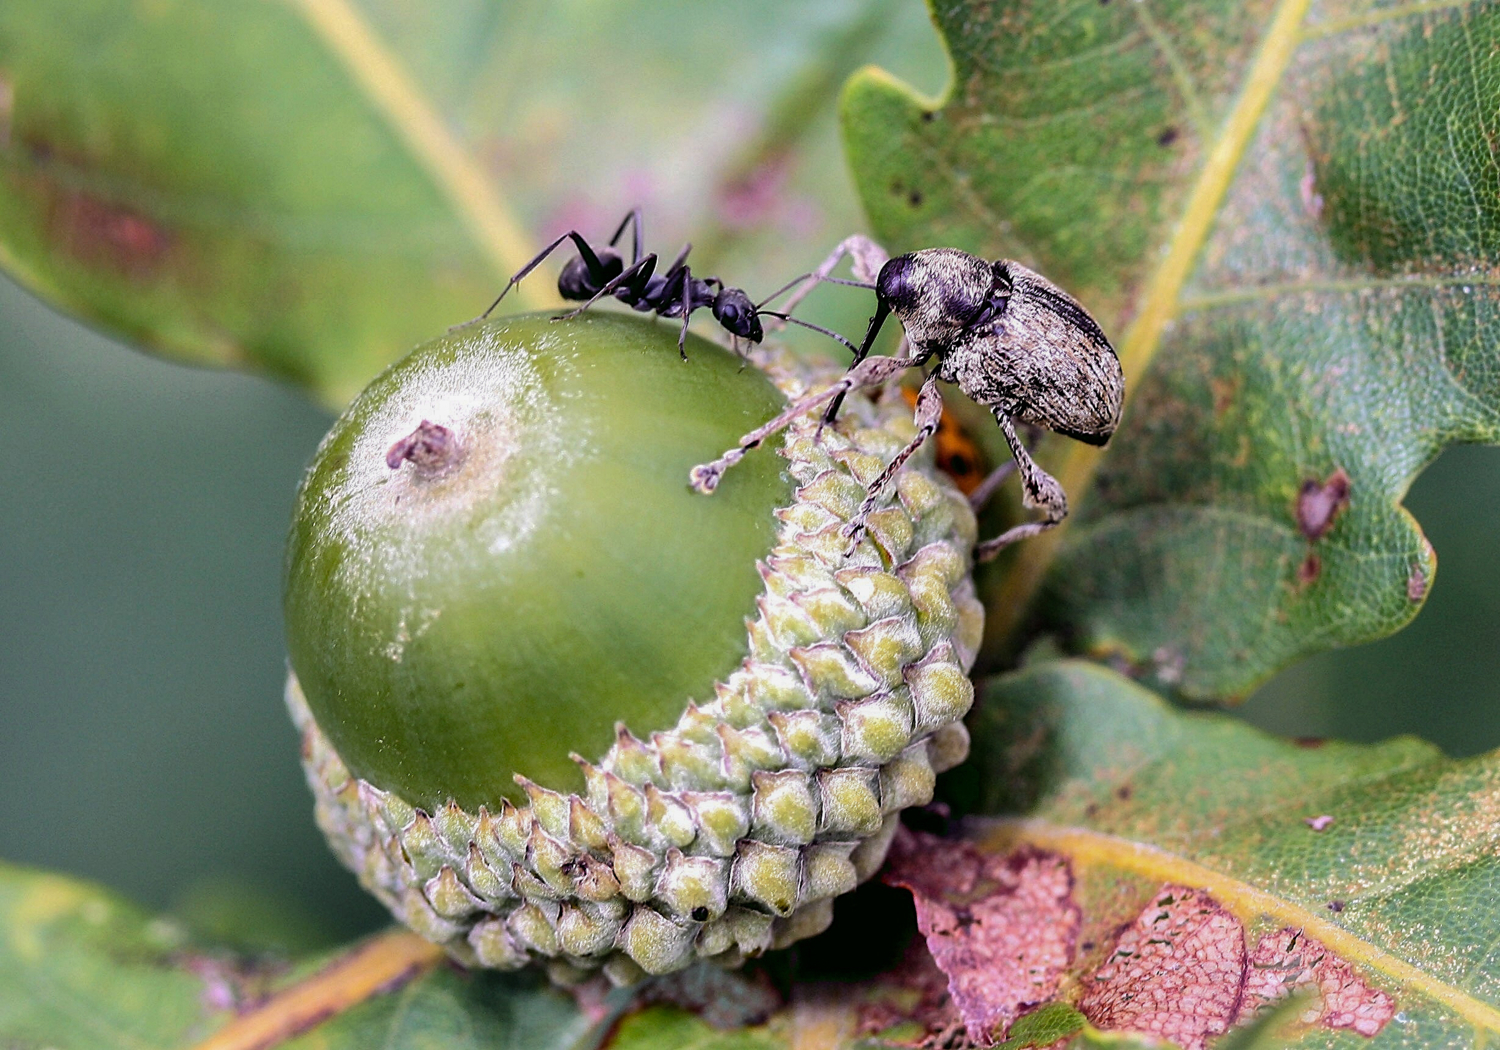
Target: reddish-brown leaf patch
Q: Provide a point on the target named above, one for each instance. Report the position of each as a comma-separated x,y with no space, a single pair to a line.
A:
102,233
1288,960
1003,928
1175,973
1319,503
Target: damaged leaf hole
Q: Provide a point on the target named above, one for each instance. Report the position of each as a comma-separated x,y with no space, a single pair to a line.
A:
1416,584
1319,504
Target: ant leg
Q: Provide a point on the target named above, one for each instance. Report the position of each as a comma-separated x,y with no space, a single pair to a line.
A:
687,301
865,257
590,259
642,269
981,496
1039,490
929,413
873,371
635,235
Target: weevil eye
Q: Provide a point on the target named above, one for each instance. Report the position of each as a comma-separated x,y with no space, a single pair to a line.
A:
895,286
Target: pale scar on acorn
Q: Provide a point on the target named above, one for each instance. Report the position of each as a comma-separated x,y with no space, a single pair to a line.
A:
1010,339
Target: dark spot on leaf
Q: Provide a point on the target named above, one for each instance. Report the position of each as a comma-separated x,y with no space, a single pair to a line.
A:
1123,792
231,983
102,233
1167,137
1320,502
1416,584
1289,960
1091,810
431,448
915,198
1310,569
1335,906
1310,742
928,116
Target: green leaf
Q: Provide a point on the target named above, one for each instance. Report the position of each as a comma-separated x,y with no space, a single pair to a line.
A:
81,968
1399,884
1287,220
310,188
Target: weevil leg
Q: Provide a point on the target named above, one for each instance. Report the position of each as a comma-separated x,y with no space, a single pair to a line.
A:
873,371
590,259
639,271
1039,490
928,414
865,260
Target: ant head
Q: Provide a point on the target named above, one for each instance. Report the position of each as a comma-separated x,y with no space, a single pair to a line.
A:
577,282
734,310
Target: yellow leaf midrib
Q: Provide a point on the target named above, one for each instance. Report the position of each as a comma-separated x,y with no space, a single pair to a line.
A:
1076,466
398,99
1089,847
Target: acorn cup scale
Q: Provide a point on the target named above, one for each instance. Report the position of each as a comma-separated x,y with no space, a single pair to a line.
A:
557,707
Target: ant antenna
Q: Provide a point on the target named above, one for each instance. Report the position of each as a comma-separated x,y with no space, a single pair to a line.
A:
798,280
808,324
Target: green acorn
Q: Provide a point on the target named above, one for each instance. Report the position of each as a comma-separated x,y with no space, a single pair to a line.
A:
558,707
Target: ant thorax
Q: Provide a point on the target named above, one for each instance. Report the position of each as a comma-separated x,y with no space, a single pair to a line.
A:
935,293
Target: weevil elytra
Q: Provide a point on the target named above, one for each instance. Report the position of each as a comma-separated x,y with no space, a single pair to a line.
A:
1009,338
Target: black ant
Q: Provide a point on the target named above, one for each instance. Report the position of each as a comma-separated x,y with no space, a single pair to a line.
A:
597,272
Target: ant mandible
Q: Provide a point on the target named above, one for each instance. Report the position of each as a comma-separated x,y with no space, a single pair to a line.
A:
597,272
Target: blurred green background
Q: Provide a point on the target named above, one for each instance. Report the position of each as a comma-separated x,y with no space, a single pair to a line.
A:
144,743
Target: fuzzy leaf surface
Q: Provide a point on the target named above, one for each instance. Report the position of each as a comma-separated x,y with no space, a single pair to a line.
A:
310,188
1284,213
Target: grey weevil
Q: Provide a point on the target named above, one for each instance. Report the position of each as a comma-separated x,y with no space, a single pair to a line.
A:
1009,338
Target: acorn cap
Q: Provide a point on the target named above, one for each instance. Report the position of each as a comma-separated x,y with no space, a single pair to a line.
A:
557,707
